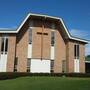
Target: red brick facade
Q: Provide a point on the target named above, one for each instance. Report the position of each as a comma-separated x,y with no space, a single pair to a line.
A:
64,48
70,56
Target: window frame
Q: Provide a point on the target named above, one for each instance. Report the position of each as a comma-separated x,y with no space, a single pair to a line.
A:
28,64
4,44
76,51
30,35
52,66
52,38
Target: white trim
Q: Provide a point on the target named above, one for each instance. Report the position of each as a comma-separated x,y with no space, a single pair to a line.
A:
7,28
45,16
29,50
3,62
23,23
52,52
69,33
65,27
87,61
76,65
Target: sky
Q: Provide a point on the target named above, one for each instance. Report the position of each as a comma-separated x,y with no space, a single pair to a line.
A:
75,13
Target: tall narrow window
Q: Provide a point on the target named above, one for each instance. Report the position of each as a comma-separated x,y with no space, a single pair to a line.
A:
52,66
76,51
28,64
30,31
30,36
31,23
4,45
52,38
15,64
63,66
53,26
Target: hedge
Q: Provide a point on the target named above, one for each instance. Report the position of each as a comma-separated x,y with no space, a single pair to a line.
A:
12,75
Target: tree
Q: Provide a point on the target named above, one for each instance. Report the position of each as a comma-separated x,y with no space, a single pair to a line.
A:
87,58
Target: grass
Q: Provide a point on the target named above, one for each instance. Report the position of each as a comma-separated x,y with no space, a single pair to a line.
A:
45,83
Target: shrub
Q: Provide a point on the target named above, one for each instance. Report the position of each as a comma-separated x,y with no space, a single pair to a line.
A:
12,75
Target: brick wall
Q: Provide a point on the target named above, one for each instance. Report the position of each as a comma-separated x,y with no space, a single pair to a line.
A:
60,51
36,43
18,48
70,56
22,48
41,42
11,52
82,58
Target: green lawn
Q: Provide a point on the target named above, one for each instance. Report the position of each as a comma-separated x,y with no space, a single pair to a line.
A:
45,83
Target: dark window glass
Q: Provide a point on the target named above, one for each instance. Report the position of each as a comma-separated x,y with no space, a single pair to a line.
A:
63,66
30,36
52,66
2,46
52,38
6,45
15,64
28,69
76,51
28,64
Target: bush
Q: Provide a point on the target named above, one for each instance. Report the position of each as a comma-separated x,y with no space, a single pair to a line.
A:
12,75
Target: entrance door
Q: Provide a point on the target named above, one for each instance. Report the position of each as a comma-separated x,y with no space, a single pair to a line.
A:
3,62
76,65
40,66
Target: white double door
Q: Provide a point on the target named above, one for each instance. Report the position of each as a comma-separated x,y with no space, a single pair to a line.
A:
76,66
3,62
40,66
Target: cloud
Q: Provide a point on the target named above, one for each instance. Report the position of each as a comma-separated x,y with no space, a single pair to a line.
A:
82,34
87,49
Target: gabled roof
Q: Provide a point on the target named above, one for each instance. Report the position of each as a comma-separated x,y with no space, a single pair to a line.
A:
3,30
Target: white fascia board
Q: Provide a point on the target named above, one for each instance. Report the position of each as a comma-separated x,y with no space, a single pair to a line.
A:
77,39
30,14
70,37
23,23
8,31
17,30
46,16
87,61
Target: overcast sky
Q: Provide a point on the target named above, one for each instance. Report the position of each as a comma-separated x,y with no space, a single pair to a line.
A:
75,13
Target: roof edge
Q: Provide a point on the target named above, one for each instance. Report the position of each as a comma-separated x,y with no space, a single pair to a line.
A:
46,16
